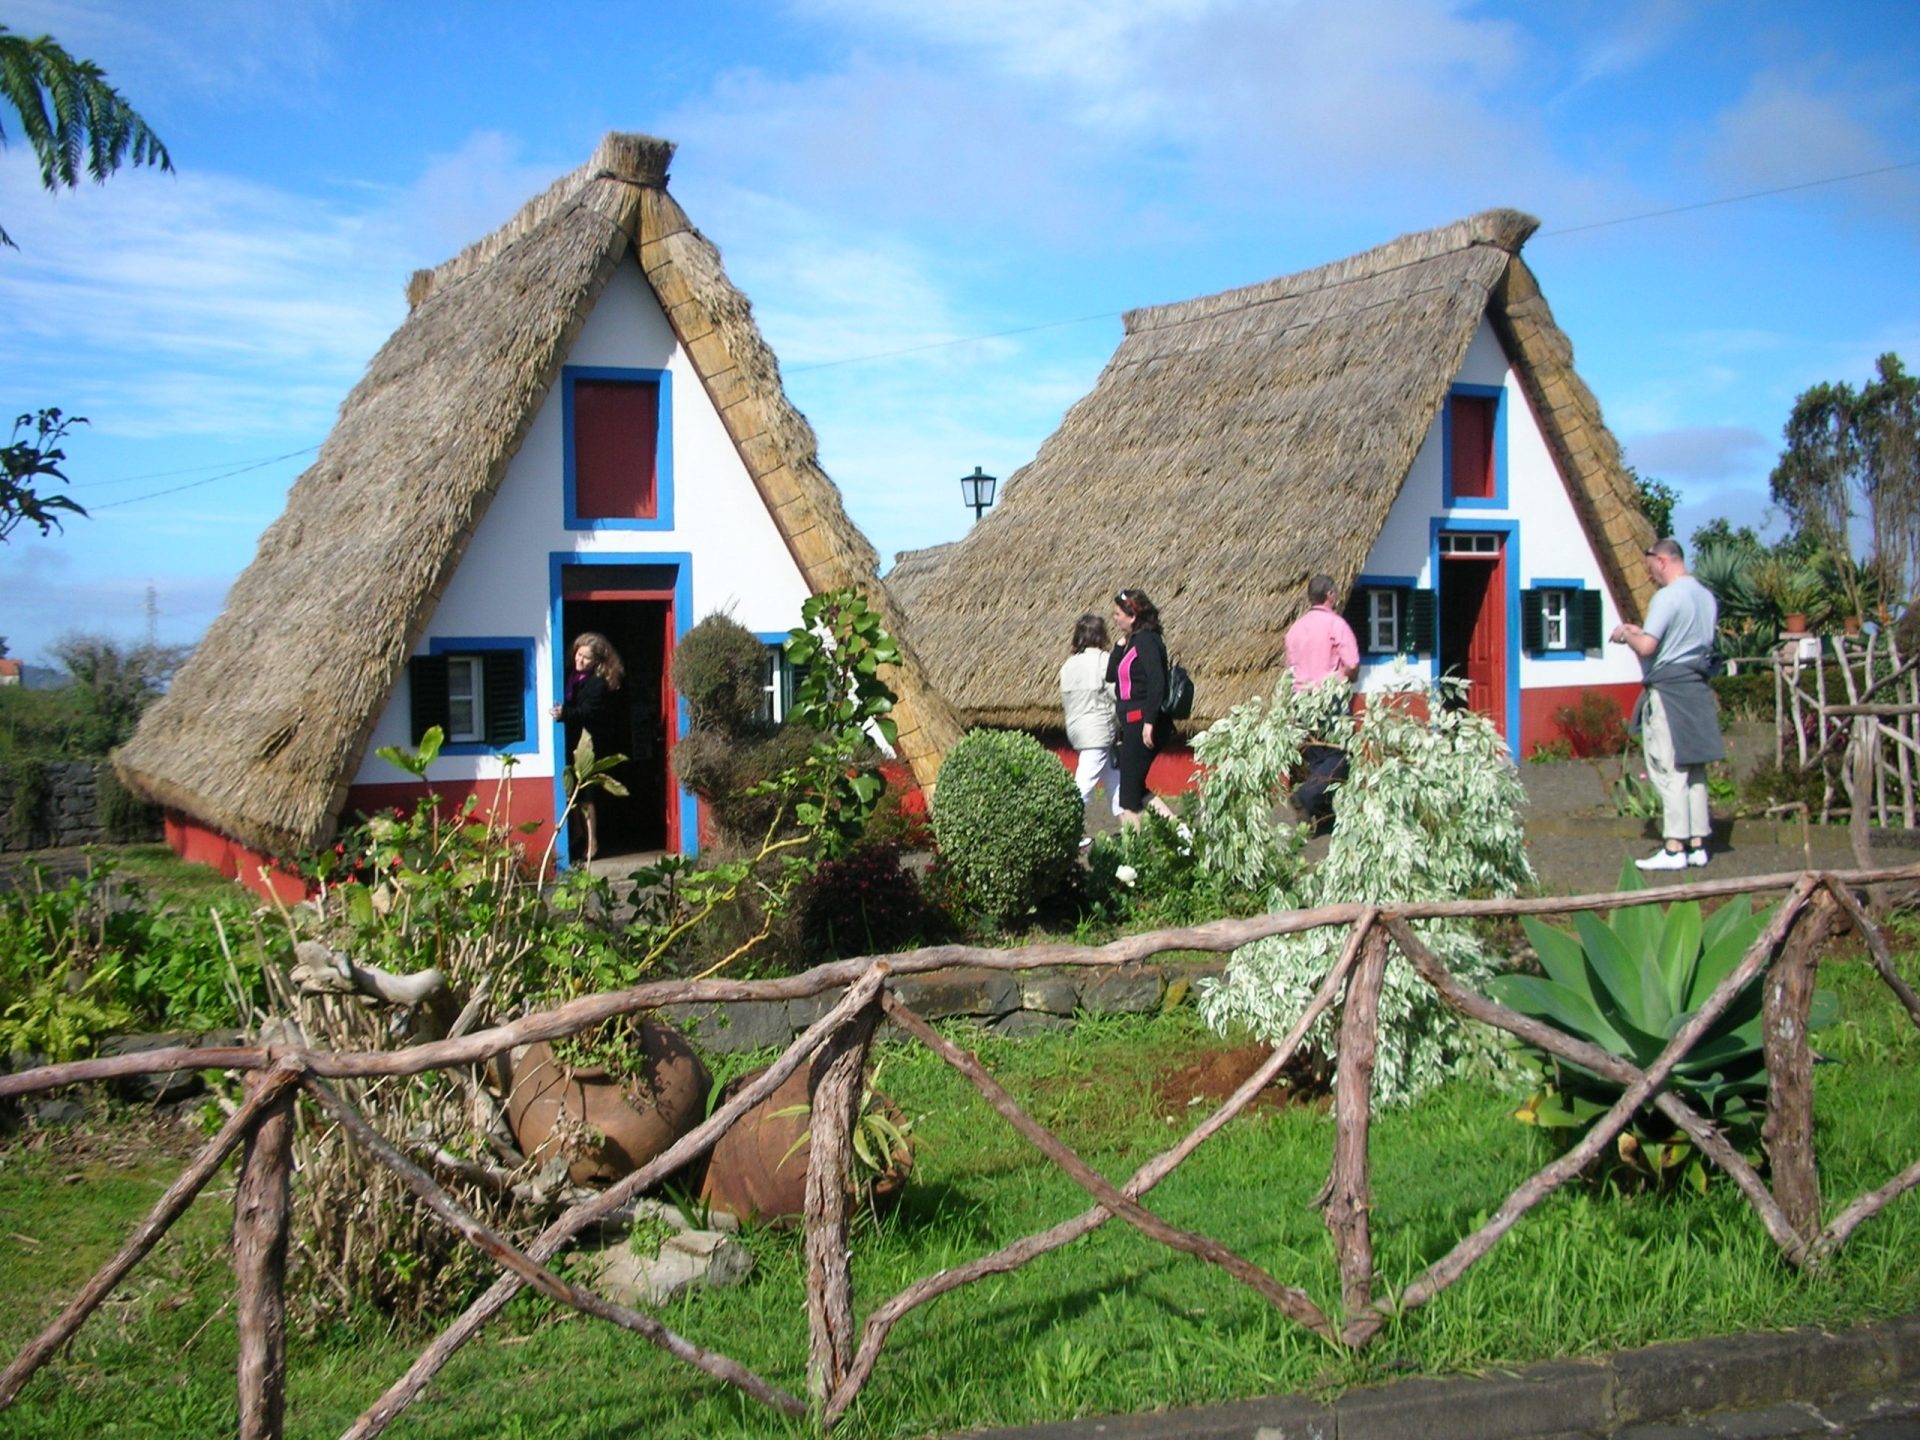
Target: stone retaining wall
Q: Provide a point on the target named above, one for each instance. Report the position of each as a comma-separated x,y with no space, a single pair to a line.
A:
1005,1003
66,811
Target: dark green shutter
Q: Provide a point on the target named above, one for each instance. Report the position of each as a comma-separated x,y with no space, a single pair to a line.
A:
1590,638
1356,616
426,694
503,681
1533,621
1417,612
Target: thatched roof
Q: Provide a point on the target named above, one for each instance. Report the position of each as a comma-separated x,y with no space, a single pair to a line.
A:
1235,445
265,725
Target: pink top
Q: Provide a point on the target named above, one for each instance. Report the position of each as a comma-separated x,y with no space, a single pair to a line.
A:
1320,644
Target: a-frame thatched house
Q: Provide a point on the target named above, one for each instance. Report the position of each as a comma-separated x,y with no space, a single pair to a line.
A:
1407,420
578,427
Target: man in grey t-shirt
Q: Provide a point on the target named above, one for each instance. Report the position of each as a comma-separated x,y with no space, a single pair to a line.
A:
1679,728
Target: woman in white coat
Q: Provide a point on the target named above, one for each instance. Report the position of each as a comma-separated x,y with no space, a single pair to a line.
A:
1093,727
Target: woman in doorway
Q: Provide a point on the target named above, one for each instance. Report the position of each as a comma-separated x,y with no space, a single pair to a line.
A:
1138,671
1087,700
589,708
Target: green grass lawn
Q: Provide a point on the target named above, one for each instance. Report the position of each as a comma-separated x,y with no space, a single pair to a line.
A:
1113,1323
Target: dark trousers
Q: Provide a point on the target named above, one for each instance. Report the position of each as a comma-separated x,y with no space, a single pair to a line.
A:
1325,766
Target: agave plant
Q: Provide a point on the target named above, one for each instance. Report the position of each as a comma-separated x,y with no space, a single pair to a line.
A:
1627,984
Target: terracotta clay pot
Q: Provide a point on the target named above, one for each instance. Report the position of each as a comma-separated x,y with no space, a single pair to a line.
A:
636,1118
752,1175
1796,624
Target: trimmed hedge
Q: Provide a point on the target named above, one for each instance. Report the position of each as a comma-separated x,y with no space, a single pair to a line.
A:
1007,819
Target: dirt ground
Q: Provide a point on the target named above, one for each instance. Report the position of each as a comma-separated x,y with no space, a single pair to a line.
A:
1213,1077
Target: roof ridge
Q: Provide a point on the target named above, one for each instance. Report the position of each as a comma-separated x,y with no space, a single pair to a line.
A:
1500,228
627,157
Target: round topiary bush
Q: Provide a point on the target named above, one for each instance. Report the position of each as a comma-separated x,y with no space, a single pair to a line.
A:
720,666
1007,818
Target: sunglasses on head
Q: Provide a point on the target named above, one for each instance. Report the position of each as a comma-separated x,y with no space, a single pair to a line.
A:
1124,603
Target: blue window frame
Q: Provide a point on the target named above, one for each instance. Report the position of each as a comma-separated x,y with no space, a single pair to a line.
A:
479,690
1496,397
1391,616
658,383
1560,619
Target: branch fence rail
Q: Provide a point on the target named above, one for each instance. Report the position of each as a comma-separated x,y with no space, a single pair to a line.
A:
842,1354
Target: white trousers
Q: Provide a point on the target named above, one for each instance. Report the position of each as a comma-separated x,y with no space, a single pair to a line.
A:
1682,788
1097,767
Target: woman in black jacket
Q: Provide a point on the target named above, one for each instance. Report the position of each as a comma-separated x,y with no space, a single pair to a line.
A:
589,706
1138,671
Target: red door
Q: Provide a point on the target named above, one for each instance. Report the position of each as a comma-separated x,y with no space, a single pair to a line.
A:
1473,619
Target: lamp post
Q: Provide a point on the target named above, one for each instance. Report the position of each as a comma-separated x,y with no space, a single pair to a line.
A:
977,491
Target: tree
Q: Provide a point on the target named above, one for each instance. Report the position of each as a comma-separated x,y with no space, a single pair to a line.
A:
35,458
1815,477
67,111
114,684
1657,499
1721,534
1890,453
1850,452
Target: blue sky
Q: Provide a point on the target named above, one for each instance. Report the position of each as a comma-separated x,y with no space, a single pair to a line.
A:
939,211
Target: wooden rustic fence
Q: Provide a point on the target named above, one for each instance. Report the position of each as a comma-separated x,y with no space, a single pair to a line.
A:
1874,717
842,1354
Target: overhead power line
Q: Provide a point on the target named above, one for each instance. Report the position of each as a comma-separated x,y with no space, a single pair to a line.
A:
196,484
1730,199
191,470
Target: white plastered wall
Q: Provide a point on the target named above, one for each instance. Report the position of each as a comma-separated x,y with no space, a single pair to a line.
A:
1549,542
740,564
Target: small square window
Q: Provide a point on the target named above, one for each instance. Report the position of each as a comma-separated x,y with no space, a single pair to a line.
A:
466,699
1383,621
776,686
479,692
1555,620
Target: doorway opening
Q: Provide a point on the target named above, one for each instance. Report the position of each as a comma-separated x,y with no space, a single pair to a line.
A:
1473,620
633,608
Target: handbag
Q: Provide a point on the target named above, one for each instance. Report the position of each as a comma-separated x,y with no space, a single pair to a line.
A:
1179,702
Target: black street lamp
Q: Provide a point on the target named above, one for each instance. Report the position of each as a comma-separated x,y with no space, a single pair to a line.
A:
977,489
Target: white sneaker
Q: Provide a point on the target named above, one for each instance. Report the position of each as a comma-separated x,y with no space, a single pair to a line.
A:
1086,840
1697,857
1664,859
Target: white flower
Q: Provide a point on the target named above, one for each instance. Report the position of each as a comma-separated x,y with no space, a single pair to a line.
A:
1125,874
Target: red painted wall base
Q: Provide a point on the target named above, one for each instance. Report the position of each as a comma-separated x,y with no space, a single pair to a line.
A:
1174,771
200,845
1537,723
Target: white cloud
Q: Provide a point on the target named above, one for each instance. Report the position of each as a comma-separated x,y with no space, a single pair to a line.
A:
196,303
1096,121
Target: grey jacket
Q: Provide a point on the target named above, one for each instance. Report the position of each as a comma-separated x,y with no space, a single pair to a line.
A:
1693,719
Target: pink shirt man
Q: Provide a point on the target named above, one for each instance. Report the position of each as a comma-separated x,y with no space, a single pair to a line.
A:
1320,643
